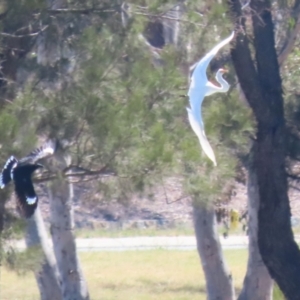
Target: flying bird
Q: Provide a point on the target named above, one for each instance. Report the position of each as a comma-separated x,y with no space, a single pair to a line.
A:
201,87
20,171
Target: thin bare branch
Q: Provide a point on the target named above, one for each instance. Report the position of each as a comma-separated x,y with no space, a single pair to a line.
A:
294,187
168,18
67,173
291,36
23,35
83,11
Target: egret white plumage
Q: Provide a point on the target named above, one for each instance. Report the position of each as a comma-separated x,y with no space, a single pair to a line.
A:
20,171
201,87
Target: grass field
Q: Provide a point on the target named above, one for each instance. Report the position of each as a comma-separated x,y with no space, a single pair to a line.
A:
134,275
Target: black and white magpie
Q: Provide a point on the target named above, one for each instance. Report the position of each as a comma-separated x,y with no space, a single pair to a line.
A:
20,171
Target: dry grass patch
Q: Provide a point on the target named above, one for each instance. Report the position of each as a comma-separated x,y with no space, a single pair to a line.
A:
134,275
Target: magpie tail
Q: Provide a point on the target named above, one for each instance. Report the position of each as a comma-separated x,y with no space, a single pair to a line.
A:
27,199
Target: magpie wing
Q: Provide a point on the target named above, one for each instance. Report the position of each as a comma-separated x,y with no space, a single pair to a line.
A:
44,151
5,176
27,199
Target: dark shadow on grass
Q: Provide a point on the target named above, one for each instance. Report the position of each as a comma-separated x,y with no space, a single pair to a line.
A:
113,286
189,288
165,286
157,287
160,287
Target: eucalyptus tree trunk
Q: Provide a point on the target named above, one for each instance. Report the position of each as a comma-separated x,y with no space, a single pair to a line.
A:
258,284
261,83
52,46
219,284
47,277
74,286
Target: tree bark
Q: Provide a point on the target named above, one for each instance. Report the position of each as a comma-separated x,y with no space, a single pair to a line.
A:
261,84
292,33
47,277
258,284
218,280
74,285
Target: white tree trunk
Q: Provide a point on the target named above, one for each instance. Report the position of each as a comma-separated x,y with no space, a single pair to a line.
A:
74,286
218,280
51,47
258,284
47,277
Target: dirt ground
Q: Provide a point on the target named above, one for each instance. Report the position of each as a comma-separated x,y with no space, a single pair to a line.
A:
168,205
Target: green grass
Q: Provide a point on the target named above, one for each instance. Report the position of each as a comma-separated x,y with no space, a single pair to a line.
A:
134,275
277,294
131,232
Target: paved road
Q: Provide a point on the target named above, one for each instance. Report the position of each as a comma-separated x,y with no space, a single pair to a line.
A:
147,243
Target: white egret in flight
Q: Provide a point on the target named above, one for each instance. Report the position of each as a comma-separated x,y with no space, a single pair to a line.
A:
201,87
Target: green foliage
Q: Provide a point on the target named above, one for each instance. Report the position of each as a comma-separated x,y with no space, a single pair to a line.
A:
291,23
129,115
19,13
218,9
291,76
132,99
120,110
277,293
11,125
25,261
123,112
231,121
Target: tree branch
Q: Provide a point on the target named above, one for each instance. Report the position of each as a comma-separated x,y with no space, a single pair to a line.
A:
67,173
291,36
266,57
23,35
83,11
168,18
242,61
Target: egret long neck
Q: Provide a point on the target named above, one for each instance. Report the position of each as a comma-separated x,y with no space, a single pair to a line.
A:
224,84
211,88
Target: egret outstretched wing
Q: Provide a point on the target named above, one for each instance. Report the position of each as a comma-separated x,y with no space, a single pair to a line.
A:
200,69
198,128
